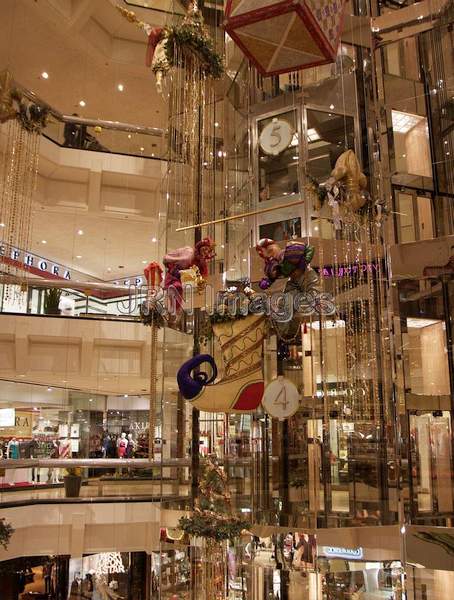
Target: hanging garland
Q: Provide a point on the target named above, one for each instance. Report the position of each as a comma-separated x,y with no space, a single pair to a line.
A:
6,531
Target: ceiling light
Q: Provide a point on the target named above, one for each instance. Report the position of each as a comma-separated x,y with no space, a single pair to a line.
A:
45,75
78,256
331,106
120,87
129,136
216,124
142,149
109,269
49,389
154,240
90,399
403,122
152,154
80,232
144,262
417,322
126,395
2,224
82,103
43,242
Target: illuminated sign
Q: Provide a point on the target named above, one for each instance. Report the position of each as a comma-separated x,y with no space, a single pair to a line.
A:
347,553
32,261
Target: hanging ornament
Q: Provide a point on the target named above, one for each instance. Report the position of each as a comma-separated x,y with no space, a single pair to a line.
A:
109,562
291,261
241,388
24,122
282,36
190,38
281,398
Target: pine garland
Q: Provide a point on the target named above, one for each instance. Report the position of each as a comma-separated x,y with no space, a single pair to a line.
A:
212,518
192,36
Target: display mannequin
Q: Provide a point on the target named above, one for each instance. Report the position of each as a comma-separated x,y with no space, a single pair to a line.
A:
12,450
53,475
131,447
122,444
66,306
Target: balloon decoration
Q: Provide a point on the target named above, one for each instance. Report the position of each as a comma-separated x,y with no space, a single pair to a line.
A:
241,388
346,193
281,36
188,266
291,261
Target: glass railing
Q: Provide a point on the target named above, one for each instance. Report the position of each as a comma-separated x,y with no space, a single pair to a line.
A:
97,135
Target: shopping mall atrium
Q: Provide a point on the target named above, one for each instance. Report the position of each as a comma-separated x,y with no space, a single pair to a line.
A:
226,300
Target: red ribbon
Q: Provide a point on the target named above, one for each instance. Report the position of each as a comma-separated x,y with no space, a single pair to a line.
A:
154,38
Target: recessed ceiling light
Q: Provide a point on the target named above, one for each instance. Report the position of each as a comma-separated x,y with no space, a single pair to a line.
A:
142,148
144,262
152,154
126,395
45,75
403,122
49,389
331,106
78,256
154,240
109,269
90,399
80,232
120,87
129,136
43,242
216,124
82,103
2,224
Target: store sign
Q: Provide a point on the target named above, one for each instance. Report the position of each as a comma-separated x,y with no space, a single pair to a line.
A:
28,259
21,427
347,270
7,417
346,553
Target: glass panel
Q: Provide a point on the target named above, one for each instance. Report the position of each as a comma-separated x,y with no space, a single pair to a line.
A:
411,144
407,231
328,135
278,172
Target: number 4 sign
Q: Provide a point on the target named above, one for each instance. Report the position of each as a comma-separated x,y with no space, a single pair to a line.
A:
281,398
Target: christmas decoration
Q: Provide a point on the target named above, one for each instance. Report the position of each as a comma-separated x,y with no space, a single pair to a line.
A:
6,531
241,388
291,261
188,265
213,521
346,193
25,120
190,37
279,36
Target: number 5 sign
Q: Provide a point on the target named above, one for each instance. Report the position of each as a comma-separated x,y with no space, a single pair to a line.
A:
281,398
276,137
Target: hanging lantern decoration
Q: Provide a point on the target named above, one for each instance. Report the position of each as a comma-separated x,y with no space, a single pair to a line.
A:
282,36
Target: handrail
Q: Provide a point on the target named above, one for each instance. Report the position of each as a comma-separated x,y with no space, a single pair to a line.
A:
63,283
92,463
116,125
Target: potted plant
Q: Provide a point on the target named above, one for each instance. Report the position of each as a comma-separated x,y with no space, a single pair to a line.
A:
51,301
72,481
